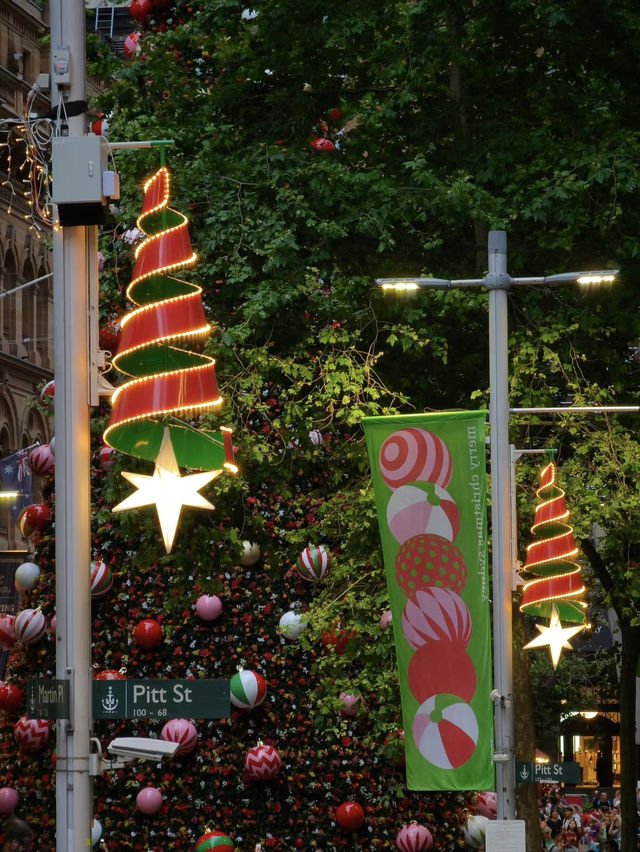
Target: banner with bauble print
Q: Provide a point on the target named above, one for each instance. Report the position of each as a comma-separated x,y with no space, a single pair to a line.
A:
429,478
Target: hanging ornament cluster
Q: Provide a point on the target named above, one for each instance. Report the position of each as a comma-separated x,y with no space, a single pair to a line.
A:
165,380
557,590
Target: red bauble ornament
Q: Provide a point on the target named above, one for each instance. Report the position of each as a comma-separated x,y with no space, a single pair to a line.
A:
33,519
430,560
262,763
109,336
41,460
324,145
336,114
148,634
181,731
140,10
445,671
100,127
10,697
48,390
350,816
31,734
131,45
337,638
414,838
214,841
7,632
109,674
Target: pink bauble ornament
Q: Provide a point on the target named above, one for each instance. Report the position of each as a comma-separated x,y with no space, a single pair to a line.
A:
262,763
7,632
316,437
208,607
31,734
349,704
41,460
26,576
33,519
385,619
52,624
9,798
130,48
107,457
29,626
250,553
48,390
323,145
180,731
101,579
415,455
488,805
435,615
148,634
422,508
149,800
414,838
314,563
350,816
445,731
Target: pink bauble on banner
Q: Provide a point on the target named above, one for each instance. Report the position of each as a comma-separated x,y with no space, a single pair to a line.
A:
41,460
488,805
445,731
180,731
415,455
26,576
101,579
30,626
9,798
31,734
350,816
422,508
208,607
436,615
149,800
414,838
7,632
262,763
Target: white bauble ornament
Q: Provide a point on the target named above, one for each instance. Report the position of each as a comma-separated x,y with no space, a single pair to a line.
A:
26,576
250,553
291,625
96,832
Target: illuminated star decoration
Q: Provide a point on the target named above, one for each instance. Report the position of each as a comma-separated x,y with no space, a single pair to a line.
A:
555,636
167,490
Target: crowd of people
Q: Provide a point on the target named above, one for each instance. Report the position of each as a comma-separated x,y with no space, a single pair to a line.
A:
573,828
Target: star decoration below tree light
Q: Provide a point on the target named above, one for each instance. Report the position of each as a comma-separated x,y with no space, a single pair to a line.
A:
555,636
167,490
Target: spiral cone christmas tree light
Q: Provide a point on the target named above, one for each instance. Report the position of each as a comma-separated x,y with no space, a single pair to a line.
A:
165,380
556,592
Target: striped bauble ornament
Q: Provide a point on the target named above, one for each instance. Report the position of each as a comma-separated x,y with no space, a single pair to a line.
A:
262,762
247,689
101,579
314,563
216,840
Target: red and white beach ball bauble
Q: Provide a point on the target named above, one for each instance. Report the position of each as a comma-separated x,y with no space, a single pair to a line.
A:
33,519
9,798
435,615
41,460
107,457
291,625
422,508
350,816
262,763
31,734
447,670
415,455
101,579
214,841
314,563
180,731
7,632
10,697
488,805
429,560
30,625
149,800
48,391
25,577
208,607
248,689
131,48
474,831
250,554
445,731
148,634
414,838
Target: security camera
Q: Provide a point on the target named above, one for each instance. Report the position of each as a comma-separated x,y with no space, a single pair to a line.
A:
141,748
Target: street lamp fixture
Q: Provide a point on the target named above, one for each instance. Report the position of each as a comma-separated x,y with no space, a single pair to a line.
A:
497,282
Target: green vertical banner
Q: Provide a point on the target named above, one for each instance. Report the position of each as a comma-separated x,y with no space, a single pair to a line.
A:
429,479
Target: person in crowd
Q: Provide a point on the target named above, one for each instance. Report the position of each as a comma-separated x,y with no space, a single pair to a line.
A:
569,814
557,843
571,836
601,799
555,821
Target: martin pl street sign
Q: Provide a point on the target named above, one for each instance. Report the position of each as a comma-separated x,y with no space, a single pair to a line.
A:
161,699
547,773
48,698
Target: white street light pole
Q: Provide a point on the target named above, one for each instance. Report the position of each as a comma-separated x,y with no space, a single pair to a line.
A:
497,282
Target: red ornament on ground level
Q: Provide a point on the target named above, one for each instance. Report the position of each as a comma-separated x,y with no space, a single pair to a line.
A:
350,816
148,634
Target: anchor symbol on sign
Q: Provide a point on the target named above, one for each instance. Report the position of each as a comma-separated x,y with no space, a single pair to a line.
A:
524,773
110,703
32,701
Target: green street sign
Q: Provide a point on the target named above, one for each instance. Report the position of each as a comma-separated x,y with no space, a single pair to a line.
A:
161,699
547,773
48,698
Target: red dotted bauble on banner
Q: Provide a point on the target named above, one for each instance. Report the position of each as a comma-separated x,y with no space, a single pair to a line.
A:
181,731
31,734
33,519
10,697
9,798
350,816
214,841
101,579
149,800
248,689
414,838
208,607
430,560
30,625
148,634
7,632
263,763
323,145
41,460
314,563
110,674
